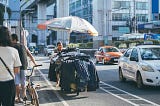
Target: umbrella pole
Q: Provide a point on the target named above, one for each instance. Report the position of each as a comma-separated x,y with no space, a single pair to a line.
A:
67,42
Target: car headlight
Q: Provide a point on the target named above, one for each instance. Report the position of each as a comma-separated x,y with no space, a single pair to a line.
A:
147,68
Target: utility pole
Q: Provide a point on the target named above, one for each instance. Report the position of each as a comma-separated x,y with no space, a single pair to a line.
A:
5,23
134,13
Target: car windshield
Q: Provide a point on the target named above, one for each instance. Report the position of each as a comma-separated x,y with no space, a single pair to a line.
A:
113,49
150,53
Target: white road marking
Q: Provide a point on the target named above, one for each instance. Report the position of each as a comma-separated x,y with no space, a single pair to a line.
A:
127,100
54,90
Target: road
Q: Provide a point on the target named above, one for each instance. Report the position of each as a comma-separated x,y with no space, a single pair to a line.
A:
111,91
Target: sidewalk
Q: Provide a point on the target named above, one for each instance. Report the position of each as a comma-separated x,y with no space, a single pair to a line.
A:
46,94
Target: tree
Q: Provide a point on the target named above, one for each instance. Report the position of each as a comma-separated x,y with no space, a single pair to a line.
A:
2,11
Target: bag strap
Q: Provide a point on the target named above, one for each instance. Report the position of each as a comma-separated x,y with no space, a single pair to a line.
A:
7,67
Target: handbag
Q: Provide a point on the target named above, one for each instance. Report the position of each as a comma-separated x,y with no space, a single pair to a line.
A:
7,67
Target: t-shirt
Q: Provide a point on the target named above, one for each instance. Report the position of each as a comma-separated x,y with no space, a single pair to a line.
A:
11,57
22,54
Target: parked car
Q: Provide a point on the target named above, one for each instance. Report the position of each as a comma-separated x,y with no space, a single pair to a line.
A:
48,50
107,54
141,64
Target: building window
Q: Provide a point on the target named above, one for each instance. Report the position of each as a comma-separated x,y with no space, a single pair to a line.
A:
120,16
121,4
78,3
141,5
142,17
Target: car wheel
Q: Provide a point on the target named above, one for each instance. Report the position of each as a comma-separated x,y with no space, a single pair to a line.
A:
121,77
139,81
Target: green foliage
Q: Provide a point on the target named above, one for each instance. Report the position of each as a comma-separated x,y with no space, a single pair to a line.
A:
72,45
89,45
131,43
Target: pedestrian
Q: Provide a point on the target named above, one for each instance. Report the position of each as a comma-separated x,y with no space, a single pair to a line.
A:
20,77
58,52
9,65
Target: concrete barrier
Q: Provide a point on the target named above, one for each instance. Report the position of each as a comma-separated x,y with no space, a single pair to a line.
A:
88,51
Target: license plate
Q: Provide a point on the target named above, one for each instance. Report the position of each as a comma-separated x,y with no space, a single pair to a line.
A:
115,59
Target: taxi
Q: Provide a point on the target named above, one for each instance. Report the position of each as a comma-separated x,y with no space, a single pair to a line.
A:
141,64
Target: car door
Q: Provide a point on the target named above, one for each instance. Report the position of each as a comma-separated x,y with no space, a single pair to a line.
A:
124,60
133,63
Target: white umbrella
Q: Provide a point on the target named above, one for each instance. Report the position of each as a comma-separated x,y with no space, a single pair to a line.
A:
70,24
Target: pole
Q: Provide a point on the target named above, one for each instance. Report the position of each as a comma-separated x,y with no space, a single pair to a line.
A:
5,15
134,16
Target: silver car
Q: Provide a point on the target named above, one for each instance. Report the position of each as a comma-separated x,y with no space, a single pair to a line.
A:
48,50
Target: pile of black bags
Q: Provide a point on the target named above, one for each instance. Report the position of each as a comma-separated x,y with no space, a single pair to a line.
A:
77,72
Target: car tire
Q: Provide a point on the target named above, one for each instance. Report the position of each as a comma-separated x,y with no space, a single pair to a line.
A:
121,77
139,81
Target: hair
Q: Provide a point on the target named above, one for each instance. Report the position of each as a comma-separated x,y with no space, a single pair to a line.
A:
59,43
5,38
14,37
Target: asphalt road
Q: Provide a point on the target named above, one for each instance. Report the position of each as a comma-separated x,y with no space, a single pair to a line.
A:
111,91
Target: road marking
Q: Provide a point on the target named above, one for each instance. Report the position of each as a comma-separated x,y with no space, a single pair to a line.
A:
54,90
124,99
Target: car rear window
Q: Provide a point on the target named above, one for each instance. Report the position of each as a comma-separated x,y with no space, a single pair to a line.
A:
111,50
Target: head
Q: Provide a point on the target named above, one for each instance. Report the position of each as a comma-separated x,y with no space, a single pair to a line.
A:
59,46
14,38
5,38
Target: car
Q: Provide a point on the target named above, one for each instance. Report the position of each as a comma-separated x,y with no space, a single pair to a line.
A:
107,54
48,50
141,64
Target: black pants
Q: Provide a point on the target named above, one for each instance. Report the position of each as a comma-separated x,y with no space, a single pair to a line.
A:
7,93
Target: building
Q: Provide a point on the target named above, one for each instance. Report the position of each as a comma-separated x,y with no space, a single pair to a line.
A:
34,12
114,18
153,26
13,21
83,9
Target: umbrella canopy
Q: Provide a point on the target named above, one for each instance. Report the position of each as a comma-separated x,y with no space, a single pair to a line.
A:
70,24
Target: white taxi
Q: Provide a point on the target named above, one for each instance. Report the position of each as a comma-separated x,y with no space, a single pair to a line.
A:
141,64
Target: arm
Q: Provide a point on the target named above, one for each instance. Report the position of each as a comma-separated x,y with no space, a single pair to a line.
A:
16,70
30,55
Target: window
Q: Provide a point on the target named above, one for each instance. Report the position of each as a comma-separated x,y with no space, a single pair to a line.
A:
142,17
121,4
134,54
127,53
141,5
120,16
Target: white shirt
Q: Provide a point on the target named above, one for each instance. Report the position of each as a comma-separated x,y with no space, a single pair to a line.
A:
11,57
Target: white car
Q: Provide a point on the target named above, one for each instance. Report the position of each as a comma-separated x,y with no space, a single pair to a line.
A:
141,64
48,50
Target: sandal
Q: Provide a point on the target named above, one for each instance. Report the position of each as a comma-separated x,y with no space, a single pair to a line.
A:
25,98
18,101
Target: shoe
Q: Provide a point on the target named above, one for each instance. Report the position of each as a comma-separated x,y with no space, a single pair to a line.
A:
18,101
25,98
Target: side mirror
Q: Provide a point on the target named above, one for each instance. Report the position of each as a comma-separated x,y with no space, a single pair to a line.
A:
133,59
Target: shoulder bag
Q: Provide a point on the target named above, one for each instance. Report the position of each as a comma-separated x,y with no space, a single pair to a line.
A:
7,67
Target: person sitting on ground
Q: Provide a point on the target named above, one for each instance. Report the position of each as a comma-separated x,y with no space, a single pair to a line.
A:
20,77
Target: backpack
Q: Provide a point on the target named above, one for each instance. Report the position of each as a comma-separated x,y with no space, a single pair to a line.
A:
22,54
